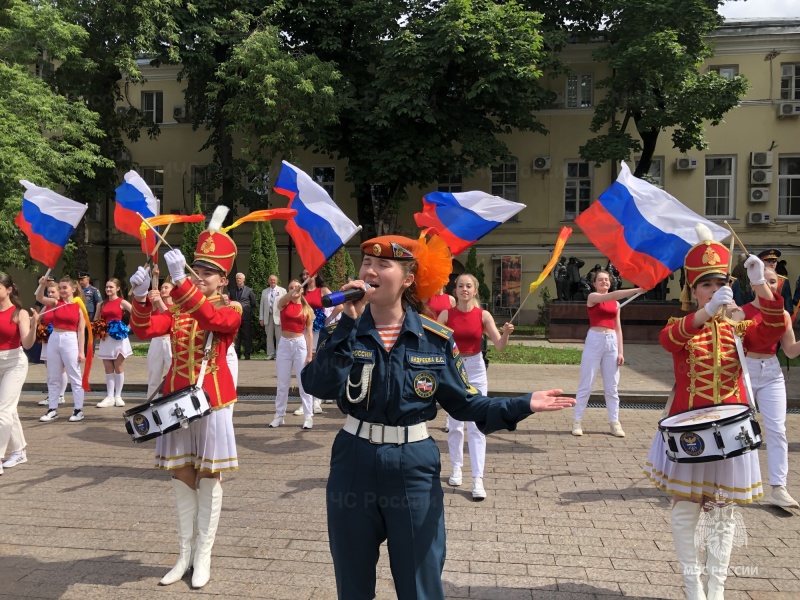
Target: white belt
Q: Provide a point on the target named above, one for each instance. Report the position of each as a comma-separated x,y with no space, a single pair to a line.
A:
378,433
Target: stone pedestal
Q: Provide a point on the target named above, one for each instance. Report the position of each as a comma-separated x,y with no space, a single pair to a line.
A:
642,322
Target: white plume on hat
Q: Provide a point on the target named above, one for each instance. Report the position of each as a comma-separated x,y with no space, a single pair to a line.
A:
215,224
703,233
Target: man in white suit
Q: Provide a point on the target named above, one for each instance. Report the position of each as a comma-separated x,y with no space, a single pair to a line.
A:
270,315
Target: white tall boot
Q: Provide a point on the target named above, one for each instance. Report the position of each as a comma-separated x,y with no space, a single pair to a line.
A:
209,506
718,556
186,510
684,518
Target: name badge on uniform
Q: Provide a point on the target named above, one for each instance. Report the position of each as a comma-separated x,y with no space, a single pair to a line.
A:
425,360
425,384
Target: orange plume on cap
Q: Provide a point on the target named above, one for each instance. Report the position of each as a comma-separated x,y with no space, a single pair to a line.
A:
434,265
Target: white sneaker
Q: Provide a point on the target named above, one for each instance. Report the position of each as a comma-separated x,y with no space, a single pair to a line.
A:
276,422
118,401
77,415
61,400
317,407
308,423
298,412
456,479
616,429
478,493
778,497
577,429
44,402
106,402
50,415
16,458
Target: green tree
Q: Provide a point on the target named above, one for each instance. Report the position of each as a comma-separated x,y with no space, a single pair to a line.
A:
270,249
45,138
244,76
257,276
192,231
121,272
427,88
473,267
656,50
68,261
335,271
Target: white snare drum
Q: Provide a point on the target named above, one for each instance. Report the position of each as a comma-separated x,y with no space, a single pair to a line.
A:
710,433
165,414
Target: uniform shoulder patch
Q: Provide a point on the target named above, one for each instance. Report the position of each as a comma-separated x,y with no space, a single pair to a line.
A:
330,328
235,306
436,327
783,277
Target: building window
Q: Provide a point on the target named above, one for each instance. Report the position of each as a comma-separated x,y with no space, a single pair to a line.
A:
789,186
326,177
504,184
655,174
577,189
203,186
720,176
579,91
259,184
154,178
451,183
790,82
726,71
153,107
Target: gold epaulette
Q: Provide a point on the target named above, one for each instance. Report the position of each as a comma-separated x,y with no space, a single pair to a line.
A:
236,306
731,278
329,329
782,276
436,327
740,327
672,320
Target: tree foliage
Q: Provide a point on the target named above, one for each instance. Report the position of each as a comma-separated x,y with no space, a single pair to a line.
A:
427,88
270,249
46,138
473,267
121,272
655,50
192,231
336,270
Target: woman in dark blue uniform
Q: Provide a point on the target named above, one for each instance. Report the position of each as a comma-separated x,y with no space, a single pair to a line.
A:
386,366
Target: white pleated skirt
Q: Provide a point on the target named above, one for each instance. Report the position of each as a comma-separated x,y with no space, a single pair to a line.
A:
110,349
208,444
738,479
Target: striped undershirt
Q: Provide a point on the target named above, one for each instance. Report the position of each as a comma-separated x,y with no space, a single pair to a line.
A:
389,334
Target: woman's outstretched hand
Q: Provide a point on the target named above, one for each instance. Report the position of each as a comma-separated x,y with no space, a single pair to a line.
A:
548,400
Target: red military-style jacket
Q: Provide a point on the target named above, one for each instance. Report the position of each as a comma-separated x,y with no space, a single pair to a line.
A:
187,324
707,366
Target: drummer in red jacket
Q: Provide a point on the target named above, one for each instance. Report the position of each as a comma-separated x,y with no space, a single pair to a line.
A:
708,373
196,455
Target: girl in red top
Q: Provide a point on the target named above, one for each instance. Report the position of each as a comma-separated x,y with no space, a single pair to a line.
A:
440,301
315,289
65,347
115,346
294,350
602,351
469,322
15,331
769,388
45,320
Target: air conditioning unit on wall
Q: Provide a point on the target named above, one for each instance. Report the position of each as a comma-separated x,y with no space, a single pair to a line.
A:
761,177
541,163
789,109
685,163
760,159
758,218
179,113
759,194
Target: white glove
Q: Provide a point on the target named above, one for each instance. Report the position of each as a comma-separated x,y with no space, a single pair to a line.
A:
755,270
176,264
723,296
140,282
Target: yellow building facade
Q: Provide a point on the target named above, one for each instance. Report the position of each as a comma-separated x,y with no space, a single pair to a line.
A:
749,175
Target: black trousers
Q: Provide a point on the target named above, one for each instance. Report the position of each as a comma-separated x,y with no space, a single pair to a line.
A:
245,336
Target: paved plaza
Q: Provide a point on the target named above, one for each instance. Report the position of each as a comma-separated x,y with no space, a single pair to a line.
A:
573,518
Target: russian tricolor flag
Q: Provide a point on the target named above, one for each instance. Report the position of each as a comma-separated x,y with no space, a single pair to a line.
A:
462,218
48,219
134,196
643,231
319,228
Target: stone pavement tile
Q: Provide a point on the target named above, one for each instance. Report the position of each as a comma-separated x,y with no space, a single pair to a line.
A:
593,587
749,584
481,593
598,562
787,585
532,582
617,575
757,595
642,591
496,568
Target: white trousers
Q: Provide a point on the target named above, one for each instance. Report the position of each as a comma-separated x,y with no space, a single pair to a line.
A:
273,331
476,373
233,364
13,370
599,354
769,389
62,351
292,352
159,359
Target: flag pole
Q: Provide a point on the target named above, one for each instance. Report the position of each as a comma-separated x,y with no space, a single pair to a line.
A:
153,253
166,243
738,241
40,285
511,320
631,299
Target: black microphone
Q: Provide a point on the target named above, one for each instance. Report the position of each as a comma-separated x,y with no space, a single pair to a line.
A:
345,296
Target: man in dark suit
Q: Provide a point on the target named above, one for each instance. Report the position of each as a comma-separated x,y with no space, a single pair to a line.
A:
244,296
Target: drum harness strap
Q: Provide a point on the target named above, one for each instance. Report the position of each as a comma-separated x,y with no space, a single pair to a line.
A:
751,399
200,376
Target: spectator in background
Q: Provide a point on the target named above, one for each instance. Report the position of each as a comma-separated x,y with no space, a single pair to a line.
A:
270,316
247,299
92,296
743,295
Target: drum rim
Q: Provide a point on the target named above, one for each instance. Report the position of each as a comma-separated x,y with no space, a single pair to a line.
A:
716,457
161,400
708,425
